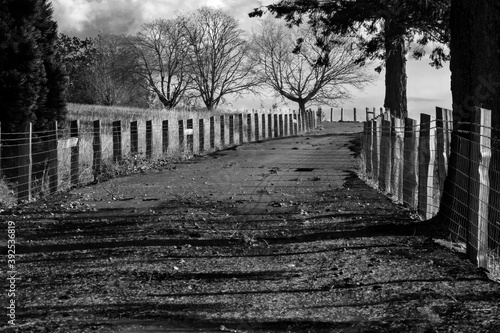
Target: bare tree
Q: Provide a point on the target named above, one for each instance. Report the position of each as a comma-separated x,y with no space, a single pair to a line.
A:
162,49
291,69
109,78
219,58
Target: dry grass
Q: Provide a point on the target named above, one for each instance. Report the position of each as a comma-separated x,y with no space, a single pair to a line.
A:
89,113
7,195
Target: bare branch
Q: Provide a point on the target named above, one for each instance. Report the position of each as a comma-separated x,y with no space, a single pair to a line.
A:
297,75
161,46
219,56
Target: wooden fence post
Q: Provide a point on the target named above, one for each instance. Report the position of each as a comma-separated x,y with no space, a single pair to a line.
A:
295,124
189,133
479,187
285,124
149,138
384,177
302,118
201,135
134,138
75,153
299,122
410,164
268,128
441,151
222,131
53,158
341,114
97,149
331,115
257,126
117,141
307,126
282,124
249,131
180,132
241,129
276,126
263,126
448,132
25,163
212,132
355,115
426,161
377,135
164,136
369,114
367,146
231,130
397,137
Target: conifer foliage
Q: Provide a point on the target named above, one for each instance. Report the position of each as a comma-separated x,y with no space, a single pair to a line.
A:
386,30
32,81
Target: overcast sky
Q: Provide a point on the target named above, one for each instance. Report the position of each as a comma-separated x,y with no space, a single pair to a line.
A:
427,87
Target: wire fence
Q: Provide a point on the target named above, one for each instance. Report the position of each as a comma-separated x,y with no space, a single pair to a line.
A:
40,163
435,170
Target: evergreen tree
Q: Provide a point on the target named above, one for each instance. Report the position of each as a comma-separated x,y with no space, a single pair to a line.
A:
385,29
32,82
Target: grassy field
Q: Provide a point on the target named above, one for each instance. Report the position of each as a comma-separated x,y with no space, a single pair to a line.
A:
112,113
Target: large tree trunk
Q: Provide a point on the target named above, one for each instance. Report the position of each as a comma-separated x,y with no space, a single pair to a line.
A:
302,106
475,81
395,70
475,57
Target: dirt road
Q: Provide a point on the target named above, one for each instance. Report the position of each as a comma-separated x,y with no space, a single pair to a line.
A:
277,236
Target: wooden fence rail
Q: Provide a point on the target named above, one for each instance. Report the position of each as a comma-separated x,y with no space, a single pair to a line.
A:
409,160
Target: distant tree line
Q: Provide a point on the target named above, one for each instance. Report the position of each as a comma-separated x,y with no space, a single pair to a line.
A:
202,57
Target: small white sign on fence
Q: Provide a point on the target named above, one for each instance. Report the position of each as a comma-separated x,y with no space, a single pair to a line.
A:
67,143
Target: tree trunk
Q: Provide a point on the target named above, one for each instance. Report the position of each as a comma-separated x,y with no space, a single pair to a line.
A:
302,107
395,70
475,58
475,81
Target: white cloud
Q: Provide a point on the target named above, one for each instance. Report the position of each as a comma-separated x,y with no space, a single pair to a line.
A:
71,14
88,17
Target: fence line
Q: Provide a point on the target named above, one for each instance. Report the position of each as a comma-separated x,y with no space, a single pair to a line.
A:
52,160
354,114
434,170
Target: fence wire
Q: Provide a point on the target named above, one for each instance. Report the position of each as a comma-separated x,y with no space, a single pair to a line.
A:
434,170
38,163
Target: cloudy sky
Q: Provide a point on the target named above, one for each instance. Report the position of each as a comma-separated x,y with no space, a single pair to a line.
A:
427,87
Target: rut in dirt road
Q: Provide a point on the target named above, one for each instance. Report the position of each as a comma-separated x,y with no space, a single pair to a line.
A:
274,236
